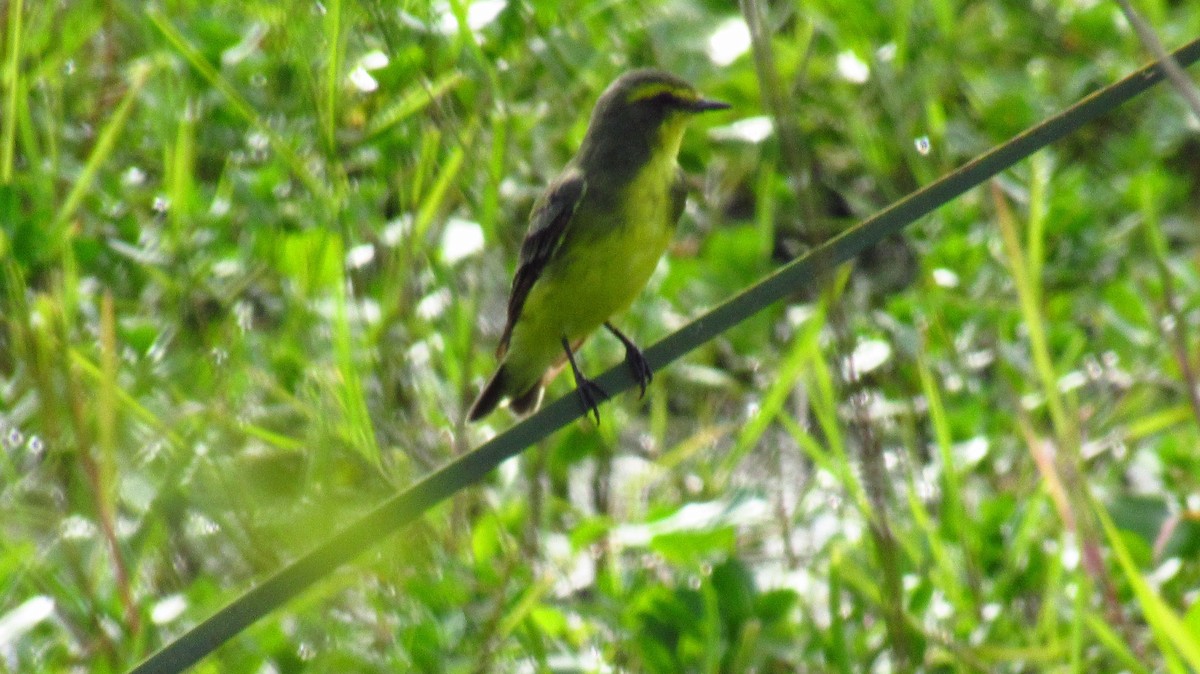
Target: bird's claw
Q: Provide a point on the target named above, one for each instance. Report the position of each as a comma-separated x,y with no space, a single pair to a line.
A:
637,363
640,367
591,395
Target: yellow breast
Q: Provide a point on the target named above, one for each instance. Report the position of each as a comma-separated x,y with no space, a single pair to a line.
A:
606,262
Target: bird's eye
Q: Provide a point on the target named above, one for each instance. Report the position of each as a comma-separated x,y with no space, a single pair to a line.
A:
664,100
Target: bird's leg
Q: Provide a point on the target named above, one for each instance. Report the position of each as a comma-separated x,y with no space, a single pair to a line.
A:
590,393
634,358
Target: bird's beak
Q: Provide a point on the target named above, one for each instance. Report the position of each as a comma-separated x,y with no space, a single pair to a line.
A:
706,104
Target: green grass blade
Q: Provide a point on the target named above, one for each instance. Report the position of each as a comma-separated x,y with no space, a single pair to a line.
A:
105,143
12,91
1170,630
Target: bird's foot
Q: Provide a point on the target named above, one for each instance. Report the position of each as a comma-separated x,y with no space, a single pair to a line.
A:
590,396
590,393
638,365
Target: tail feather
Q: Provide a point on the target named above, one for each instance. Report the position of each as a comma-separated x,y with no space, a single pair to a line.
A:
492,394
528,401
500,387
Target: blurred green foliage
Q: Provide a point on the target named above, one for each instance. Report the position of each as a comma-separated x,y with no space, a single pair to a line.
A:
244,299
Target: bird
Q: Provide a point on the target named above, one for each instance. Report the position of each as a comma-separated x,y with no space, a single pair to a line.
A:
595,236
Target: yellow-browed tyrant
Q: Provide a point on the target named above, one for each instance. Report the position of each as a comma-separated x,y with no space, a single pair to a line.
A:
594,238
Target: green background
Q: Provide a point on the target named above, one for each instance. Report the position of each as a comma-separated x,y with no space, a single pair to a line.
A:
255,261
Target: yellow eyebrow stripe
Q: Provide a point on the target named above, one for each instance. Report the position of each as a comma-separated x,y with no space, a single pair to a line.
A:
654,89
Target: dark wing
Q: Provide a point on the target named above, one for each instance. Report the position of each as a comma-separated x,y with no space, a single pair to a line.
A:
551,214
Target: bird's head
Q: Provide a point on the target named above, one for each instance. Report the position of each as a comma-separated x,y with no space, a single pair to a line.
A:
642,114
